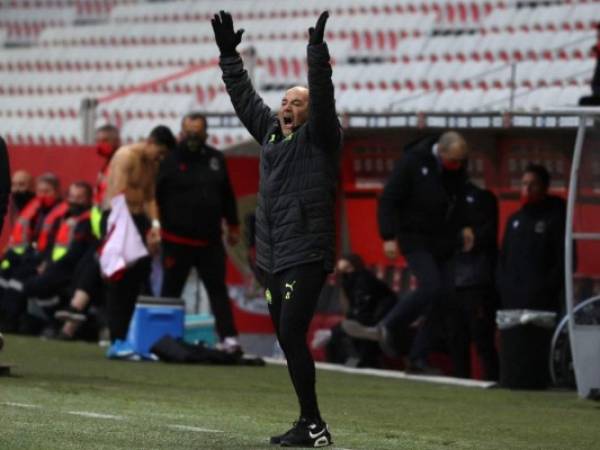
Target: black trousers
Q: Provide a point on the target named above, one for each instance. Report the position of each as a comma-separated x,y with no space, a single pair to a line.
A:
435,282
209,261
54,281
292,296
13,304
122,293
87,277
341,347
471,318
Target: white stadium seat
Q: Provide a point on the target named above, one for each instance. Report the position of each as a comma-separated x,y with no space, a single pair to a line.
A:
151,62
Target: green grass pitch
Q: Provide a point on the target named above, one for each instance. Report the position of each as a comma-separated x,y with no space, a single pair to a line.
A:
67,396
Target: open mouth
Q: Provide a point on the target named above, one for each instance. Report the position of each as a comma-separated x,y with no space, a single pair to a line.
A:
287,121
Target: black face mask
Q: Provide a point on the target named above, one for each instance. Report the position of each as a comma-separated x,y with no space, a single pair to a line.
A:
20,199
76,209
193,143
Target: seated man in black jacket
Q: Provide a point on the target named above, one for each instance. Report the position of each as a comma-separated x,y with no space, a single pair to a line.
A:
295,222
418,215
366,299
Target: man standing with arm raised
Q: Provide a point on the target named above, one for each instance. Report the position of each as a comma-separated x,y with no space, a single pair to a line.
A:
295,223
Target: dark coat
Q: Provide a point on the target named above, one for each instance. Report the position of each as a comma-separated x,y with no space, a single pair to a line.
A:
531,264
369,298
418,203
194,194
295,214
479,210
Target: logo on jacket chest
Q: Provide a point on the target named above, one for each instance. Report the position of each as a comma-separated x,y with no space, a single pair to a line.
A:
214,164
424,171
540,227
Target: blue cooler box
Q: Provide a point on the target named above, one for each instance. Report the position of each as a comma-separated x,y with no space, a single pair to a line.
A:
153,318
200,327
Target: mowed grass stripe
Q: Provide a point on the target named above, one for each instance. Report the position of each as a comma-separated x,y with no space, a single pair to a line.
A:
249,404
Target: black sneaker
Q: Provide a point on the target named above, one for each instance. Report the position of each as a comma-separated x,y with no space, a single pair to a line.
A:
276,440
70,314
307,434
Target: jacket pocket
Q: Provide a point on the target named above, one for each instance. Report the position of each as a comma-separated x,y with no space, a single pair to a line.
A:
299,216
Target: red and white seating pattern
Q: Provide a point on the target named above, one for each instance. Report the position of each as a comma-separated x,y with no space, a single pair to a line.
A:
389,56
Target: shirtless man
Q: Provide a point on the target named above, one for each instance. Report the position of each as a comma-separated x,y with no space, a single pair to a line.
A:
132,172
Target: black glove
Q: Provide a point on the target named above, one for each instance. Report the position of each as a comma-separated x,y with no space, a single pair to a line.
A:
226,38
315,35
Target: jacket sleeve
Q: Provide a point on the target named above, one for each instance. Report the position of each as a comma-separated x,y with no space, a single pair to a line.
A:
229,201
4,181
324,126
249,106
391,202
81,243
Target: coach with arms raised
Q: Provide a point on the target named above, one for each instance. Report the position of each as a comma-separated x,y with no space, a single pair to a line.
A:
295,223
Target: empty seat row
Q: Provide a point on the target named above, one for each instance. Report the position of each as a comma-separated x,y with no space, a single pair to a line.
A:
357,28
450,100
248,9
574,16
281,56
509,46
206,82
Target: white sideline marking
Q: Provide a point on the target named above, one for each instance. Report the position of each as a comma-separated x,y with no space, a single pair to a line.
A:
197,429
94,415
20,405
396,374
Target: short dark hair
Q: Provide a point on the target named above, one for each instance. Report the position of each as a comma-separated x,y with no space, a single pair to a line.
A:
539,171
108,128
51,179
195,115
163,136
87,187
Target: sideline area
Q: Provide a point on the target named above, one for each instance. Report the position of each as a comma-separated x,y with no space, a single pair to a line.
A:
66,395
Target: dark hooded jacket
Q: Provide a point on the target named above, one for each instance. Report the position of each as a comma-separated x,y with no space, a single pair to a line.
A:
418,206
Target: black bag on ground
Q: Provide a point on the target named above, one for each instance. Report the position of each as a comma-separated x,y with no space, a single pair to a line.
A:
171,350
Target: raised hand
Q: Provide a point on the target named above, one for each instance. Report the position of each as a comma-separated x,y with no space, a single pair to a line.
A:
316,33
227,39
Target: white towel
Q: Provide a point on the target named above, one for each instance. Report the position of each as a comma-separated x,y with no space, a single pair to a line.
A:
123,245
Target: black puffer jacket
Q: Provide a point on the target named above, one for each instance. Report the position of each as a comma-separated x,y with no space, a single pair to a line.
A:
295,221
418,205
